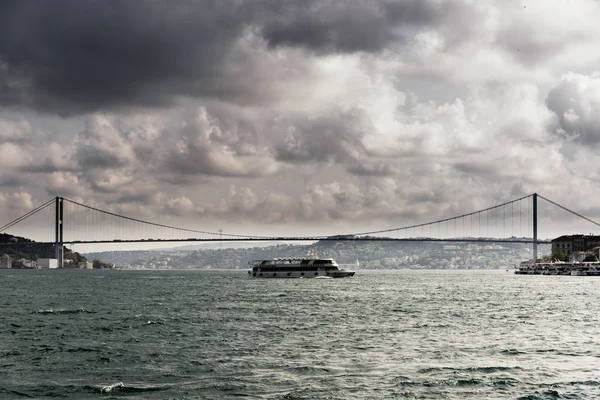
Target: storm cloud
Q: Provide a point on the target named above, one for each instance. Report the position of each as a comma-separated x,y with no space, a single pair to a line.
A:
349,26
70,57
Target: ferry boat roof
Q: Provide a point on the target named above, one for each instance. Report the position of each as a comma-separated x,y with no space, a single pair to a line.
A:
292,259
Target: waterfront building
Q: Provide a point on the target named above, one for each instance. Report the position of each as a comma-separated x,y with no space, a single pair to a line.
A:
47,263
25,264
578,256
5,261
569,244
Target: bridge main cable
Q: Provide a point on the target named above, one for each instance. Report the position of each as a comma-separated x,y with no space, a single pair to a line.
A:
166,226
27,215
571,211
442,220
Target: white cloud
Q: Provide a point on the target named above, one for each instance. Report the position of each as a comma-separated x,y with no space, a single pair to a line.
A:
13,156
15,131
16,202
576,104
103,145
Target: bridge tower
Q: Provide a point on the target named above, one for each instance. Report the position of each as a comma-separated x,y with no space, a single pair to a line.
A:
535,238
58,230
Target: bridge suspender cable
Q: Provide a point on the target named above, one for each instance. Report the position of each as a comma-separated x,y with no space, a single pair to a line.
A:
441,220
165,226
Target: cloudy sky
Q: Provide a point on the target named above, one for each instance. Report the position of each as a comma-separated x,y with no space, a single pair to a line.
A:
299,116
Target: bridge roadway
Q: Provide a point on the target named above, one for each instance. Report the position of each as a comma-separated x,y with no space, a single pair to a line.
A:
300,239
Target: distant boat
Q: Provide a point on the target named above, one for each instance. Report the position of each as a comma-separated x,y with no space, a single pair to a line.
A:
298,268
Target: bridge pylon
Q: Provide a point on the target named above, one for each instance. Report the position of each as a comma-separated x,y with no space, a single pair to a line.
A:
58,230
535,235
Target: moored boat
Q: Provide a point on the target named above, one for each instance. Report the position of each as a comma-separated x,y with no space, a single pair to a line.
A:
576,268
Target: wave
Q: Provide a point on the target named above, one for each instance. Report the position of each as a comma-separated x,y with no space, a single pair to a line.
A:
484,370
15,393
82,350
512,352
290,396
584,383
309,370
564,353
547,395
154,323
442,382
47,390
109,388
120,387
63,311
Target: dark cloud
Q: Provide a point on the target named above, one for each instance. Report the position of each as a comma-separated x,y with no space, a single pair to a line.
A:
341,27
70,56
12,181
46,164
369,168
476,167
347,26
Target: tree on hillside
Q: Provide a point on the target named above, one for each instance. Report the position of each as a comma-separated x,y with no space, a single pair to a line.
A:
559,255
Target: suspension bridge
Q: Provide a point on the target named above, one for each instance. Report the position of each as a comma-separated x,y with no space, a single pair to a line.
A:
514,221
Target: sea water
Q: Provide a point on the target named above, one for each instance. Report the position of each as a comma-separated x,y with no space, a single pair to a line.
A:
219,335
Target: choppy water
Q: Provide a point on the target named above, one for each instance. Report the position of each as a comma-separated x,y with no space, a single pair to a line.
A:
219,335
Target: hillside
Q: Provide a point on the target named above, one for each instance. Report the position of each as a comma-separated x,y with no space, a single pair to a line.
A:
370,255
19,247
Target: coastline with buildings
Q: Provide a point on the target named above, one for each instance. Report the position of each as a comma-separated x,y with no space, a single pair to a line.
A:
8,262
573,255
18,252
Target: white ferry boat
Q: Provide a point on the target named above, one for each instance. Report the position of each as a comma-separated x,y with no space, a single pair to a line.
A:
297,268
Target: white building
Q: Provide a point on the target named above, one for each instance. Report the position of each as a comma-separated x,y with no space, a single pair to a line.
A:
5,262
47,263
86,265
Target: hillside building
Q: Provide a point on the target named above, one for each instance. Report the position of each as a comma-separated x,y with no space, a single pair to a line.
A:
569,244
86,265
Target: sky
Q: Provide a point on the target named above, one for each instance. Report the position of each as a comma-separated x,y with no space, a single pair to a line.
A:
290,117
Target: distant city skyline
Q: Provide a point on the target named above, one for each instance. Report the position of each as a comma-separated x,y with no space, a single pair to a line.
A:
299,117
